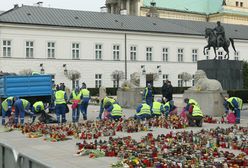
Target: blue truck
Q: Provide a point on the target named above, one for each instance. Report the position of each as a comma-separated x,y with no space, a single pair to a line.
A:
33,88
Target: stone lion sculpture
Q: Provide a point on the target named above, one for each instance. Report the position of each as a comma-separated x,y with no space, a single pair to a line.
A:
134,82
202,83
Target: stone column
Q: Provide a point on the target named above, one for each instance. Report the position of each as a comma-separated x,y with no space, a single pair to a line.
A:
112,8
128,7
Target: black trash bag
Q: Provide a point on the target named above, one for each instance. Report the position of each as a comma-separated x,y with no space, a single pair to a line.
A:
66,108
47,119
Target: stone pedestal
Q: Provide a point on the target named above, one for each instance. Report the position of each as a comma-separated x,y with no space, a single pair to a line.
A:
130,98
211,102
228,72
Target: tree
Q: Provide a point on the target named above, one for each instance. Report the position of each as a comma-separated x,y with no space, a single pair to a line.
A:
73,75
185,76
117,76
245,74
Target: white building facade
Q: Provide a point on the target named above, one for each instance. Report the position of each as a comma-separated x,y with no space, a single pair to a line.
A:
96,53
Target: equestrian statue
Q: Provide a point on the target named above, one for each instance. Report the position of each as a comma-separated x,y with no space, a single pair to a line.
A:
217,38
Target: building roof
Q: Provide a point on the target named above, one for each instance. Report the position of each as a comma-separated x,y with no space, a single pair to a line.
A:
197,6
31,15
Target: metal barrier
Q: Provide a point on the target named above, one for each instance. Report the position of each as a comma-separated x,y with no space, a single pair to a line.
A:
10,159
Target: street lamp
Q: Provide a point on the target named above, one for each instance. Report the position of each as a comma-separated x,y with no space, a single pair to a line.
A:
159,69
65,69
143,69
42,70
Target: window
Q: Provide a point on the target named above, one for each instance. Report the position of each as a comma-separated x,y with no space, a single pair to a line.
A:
75,83
51,50
133,53
237,3
194,55
165,77
180,81
220,55
165,54
98,51
116,52
75,50
29,49
180,55
6,48
149,53
241,4
207,55
236,55
98,80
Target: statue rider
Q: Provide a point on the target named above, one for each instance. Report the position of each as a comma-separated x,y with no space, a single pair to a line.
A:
220,32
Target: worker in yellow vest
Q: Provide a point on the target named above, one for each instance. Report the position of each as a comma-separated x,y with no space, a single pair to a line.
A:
157,108
22,106
235,104
143,111
115,111
60,105
106,102
85,100
38,107
195,116
76,99
7,108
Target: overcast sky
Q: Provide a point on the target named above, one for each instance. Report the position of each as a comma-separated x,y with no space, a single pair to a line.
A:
88,5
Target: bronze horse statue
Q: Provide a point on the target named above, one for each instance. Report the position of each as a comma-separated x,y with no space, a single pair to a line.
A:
212,42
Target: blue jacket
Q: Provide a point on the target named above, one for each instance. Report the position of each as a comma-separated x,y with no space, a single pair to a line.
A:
147,93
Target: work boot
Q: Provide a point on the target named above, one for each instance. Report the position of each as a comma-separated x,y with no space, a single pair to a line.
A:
85,117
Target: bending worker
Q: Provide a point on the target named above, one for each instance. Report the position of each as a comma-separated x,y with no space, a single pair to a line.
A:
235,104
170,108
22,106
38,107
105,103
7,108
115,111
157,108
143,111
194,113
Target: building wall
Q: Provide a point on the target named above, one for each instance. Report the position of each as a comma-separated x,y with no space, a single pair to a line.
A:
88,66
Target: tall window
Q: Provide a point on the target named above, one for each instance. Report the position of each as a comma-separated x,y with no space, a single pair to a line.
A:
75,50
98,51
237,3
194,55
6,48
236,55
29,49
220,55
207,55
180,80
133,53
241,4
165,77
180,55
98,80
116,52
149,53
51,50
165,53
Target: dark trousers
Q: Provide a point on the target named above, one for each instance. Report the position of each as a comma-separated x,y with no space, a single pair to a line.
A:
84,107
194,120
75,114
4,114
19,110
60,110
